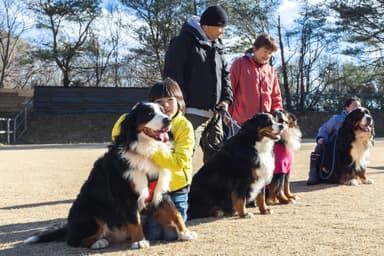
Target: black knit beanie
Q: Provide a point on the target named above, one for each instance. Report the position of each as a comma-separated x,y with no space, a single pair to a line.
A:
214,15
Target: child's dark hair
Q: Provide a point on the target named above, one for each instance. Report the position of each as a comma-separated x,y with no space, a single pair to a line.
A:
264,40
167,88
349,101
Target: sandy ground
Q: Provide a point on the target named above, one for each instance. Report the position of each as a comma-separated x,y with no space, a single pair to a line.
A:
39,182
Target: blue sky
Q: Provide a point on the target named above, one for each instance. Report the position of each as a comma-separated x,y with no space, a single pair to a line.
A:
288,13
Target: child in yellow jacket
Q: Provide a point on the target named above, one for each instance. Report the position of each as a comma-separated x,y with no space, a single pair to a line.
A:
168,94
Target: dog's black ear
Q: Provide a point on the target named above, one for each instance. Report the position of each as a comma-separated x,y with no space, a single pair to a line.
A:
293,117
278,113
128,131
372,125
256,121
348,125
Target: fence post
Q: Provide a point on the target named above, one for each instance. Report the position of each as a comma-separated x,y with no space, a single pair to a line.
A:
25,118
14,130
8,130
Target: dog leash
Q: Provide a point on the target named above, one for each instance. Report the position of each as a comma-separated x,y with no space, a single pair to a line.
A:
331,171
233,126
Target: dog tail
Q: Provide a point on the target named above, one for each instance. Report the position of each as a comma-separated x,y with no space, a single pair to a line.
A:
55,233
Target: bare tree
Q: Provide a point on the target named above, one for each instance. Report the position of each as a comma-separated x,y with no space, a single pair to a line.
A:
284,69
75,14
161,21
248,18
314,40
363,22
11,28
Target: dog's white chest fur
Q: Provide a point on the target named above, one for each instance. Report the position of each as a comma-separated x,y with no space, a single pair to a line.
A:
142,168
267,165
360,150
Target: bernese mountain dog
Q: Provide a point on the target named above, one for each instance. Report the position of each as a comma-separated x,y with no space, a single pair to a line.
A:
353,144
278,191
237,173
107,209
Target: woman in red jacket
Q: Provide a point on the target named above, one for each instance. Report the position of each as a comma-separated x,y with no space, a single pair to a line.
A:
254,82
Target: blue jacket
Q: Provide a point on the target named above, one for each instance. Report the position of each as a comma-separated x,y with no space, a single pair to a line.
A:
331,127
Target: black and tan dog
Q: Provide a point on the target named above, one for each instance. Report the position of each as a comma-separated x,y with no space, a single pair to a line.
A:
237,173
278,191
353,144
107,209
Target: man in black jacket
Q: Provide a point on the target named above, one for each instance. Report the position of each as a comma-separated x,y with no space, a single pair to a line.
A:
195,60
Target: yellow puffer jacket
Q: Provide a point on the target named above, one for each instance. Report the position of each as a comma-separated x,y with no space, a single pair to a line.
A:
179,162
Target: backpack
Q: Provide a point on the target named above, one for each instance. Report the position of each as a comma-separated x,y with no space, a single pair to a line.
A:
218,132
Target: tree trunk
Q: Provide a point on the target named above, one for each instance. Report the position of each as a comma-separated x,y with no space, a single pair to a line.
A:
284,70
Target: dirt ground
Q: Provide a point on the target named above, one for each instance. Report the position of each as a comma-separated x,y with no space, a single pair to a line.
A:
39,182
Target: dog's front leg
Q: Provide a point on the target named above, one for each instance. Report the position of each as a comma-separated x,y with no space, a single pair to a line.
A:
140,181
135,231
162,186
260,202
362,174
239,204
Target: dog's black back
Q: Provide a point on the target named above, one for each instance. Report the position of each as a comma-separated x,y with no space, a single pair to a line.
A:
107,204
105,195
229,171
344,153
350,136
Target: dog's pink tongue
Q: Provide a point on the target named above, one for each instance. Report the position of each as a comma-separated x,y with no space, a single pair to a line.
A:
164,137
365,128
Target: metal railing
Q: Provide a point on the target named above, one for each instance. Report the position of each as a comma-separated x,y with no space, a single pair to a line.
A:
13,128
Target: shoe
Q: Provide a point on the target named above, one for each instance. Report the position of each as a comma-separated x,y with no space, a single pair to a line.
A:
312,180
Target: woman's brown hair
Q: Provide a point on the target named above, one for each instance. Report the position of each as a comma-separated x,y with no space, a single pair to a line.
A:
264,40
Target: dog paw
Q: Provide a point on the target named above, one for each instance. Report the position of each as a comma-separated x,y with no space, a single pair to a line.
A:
272,201
100,244
296,198
141,200
266,211
219,214
141,204
249,215
187,235
352,182
140,244
157,198
368,181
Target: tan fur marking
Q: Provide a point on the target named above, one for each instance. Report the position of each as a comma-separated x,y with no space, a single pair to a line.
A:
254,174
140,128
260,202
100,233
287,189
272,193
169,216
239,205
118,235
135,231
267,131
362,174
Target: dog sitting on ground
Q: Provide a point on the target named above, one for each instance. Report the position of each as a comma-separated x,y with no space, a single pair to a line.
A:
353,144
279,191
237,173
107,209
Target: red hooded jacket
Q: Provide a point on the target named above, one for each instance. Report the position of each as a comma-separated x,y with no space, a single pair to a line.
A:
255,89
